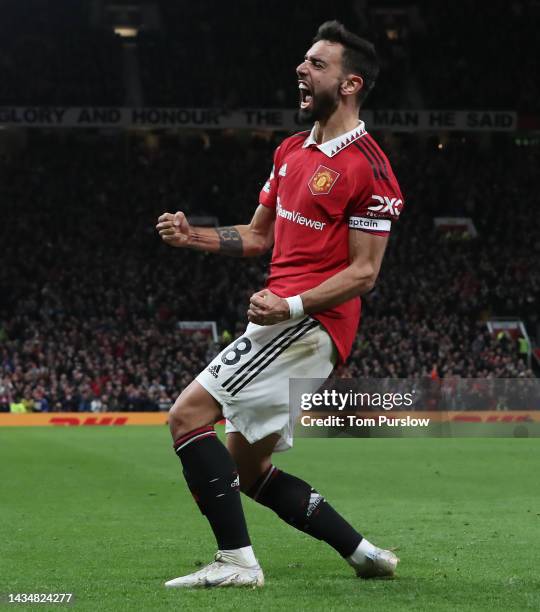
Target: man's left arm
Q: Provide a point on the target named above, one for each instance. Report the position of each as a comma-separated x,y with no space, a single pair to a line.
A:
366,252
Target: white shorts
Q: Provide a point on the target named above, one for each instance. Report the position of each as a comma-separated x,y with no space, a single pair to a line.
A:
250,377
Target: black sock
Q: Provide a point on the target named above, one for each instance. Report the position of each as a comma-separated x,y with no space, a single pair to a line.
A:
301,506
213,480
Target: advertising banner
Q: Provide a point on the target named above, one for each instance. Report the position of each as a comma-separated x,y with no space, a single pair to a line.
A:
250,118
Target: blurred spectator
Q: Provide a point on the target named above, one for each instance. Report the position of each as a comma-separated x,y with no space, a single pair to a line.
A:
17,406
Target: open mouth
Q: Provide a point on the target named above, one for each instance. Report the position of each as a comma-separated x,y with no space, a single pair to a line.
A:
306,95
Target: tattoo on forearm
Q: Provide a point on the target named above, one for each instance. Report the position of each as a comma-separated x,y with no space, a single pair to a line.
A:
230,241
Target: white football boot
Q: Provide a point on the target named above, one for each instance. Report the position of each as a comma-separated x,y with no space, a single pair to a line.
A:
369,561
222,572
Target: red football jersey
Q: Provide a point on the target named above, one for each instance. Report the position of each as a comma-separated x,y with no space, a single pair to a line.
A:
320,193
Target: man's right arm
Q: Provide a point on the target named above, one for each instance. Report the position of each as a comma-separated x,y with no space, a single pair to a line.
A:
237,240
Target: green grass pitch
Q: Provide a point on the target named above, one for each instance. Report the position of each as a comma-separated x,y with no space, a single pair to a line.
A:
104,513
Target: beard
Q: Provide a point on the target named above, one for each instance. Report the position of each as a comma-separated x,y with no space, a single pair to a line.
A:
323,106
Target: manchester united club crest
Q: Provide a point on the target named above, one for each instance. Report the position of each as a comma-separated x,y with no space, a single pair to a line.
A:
322,181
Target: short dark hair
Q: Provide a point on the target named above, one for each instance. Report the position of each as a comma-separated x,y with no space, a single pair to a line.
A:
359,55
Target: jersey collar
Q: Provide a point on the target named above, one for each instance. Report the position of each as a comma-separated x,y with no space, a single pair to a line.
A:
337,144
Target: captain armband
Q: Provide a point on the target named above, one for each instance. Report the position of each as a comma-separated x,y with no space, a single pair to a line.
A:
370,225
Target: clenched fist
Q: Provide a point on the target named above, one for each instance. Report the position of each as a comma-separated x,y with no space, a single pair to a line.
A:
174,229
266,308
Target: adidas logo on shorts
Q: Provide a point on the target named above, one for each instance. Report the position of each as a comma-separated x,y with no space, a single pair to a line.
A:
214,370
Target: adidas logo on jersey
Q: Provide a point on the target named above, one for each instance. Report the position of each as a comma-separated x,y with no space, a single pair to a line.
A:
214,370
283,170
235,484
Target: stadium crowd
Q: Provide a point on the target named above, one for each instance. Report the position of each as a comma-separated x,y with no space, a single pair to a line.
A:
90,297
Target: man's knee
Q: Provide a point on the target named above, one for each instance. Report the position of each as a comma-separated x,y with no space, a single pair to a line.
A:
251,473
252,460
182,416
248,479
193,408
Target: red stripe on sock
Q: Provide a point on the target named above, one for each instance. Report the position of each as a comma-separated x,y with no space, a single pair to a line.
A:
275,473
262,483
209,430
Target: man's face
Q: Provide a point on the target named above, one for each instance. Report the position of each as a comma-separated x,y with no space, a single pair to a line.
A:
319,78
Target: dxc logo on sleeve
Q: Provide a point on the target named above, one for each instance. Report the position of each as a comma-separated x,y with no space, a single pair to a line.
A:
387,205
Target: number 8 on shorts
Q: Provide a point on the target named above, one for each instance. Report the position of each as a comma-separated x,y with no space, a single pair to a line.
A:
241,347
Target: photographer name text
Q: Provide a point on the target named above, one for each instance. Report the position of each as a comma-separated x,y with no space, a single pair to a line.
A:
351,420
